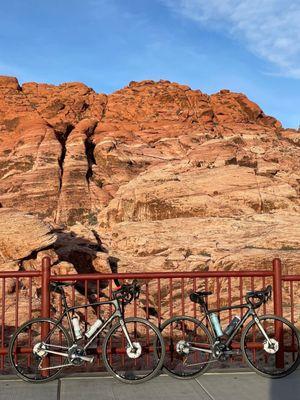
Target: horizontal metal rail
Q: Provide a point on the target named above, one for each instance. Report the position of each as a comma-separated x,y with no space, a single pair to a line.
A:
162,275
168,290
20,274
291,278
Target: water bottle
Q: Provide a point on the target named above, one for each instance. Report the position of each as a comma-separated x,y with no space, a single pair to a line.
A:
216,324
76,326
233,324
96,325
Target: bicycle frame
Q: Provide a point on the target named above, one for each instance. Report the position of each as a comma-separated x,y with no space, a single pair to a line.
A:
118,313
249,313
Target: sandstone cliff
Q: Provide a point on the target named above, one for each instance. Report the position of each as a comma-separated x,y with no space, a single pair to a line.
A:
166,176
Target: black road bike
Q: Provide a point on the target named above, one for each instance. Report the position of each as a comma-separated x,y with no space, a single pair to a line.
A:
42,347
269,344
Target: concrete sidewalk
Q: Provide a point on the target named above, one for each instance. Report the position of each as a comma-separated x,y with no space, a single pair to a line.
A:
211,386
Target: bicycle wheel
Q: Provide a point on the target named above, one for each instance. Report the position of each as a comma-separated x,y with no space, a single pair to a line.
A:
141,364
27,350
182,336
278,358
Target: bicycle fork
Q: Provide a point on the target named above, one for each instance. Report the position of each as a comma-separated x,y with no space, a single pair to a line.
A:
270,345
261,328
124,329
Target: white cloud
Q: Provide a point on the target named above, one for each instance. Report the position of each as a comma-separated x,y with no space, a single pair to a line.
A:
269,28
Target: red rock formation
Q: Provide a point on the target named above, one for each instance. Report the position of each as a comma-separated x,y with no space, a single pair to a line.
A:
152,154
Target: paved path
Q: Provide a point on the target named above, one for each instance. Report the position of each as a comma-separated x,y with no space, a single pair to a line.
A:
211,386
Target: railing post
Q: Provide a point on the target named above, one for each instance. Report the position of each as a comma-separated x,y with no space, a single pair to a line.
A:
277,286
45,301
277,290
45,306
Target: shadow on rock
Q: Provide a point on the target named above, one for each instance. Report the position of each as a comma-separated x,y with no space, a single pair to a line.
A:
87,256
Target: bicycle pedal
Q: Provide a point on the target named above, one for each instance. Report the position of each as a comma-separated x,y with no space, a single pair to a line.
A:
233,352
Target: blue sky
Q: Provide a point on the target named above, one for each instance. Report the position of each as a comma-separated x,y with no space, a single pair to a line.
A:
250,46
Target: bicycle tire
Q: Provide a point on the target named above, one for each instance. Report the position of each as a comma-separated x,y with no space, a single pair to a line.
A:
170,354
127,376
290,334
12,355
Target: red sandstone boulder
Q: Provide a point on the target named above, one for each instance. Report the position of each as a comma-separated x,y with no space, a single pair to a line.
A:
21,235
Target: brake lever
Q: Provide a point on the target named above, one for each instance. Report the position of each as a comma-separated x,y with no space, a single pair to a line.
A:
53,287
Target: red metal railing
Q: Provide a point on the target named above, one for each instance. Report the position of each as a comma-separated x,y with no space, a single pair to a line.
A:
25,295
291,307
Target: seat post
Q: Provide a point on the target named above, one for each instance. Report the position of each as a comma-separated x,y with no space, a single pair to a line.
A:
63,297
203,307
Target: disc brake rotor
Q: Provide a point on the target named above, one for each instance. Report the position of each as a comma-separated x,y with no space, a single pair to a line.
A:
273,348
134,352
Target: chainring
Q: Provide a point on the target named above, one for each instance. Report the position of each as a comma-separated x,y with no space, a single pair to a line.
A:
74,354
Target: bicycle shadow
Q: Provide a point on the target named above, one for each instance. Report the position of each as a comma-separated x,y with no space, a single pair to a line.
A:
287,388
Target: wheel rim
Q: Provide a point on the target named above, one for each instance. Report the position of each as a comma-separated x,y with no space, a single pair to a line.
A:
278,357
179,335
138,363
28,355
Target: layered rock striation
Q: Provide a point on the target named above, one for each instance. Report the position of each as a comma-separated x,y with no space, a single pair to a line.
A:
168,177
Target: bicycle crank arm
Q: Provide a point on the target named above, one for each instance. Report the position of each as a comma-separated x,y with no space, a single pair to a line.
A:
83,358
232,352
87,359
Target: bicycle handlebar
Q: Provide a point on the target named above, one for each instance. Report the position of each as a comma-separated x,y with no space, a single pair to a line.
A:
127,292
257,297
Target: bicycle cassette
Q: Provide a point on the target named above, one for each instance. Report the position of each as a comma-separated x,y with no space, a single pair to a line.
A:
182,347
39,349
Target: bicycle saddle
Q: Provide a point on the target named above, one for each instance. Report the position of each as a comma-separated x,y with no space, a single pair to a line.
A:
197,297
61,284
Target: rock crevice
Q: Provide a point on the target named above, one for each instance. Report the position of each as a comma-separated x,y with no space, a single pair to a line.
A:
90,156
62,137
